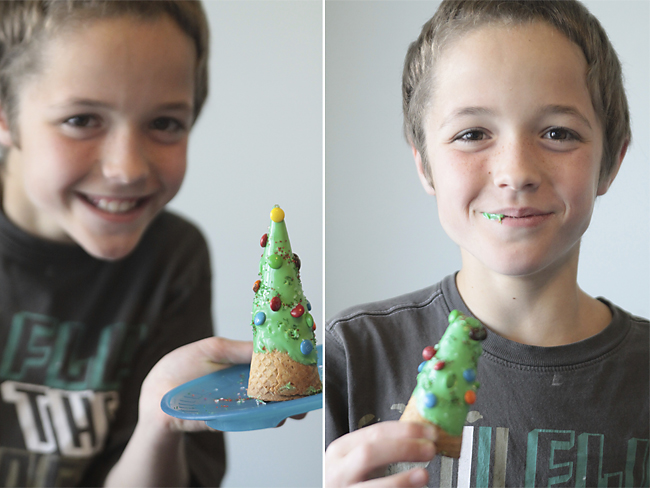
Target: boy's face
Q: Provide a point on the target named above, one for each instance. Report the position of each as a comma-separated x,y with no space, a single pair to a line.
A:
512,131
103,132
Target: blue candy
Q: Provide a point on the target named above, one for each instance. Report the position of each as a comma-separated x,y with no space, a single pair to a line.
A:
308,306
306,347
260,318
430,400
469,375
421,366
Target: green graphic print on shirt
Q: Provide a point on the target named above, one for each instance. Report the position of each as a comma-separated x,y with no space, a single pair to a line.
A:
570,458
63,380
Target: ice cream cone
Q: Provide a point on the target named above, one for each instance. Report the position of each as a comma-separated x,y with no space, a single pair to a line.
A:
447,382
446,445
276,377
284,365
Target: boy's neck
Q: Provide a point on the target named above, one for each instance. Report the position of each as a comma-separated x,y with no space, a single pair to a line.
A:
546,309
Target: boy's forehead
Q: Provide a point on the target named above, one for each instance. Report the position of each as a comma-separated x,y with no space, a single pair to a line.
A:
492,66
535,43
119,54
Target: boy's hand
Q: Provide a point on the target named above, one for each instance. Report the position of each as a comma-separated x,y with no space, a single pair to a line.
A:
182,365
364,454
154,456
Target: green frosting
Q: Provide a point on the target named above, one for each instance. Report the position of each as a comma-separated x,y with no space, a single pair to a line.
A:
444,381
280,280
489,216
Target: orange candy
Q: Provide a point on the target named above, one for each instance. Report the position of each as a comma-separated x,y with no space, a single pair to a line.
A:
470,397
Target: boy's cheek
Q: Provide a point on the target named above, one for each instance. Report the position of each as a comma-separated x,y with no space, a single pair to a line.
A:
175,174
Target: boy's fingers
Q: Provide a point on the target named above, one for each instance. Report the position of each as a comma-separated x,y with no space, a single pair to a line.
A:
362,454
414,478
199,358
383,432
226,351
368,457
296,417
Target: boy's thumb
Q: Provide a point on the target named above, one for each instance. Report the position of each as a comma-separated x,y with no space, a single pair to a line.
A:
226,351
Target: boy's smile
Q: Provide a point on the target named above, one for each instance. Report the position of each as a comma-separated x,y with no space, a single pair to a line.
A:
519,217
103,129
511,132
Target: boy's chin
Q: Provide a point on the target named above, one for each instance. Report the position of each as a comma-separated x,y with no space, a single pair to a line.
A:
111,248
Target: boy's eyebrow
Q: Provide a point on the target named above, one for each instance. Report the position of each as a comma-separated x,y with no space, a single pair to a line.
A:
466,111
82,101
549,109
565,110
86,102
176,106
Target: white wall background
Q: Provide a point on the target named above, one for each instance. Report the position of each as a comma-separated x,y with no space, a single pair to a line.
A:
258,143
383,237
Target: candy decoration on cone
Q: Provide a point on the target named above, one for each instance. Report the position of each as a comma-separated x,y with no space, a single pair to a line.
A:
446,382
284,364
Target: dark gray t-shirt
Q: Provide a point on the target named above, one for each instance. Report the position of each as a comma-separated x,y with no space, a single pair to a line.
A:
573,415
77,337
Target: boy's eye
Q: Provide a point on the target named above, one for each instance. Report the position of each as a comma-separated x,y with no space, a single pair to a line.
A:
83,121
471,135
560,134
166,124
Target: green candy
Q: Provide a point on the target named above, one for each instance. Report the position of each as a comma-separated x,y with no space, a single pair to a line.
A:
275,261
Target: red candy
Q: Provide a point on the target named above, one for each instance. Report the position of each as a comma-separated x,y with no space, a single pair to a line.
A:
298,311
256,286
276,303
313,327
439,365
470,397
428,352
263,240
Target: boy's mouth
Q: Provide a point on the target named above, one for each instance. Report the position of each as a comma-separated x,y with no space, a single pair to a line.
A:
513,215
491,216
114,205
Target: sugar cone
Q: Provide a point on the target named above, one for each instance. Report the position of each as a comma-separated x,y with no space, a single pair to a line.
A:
446,445
276,377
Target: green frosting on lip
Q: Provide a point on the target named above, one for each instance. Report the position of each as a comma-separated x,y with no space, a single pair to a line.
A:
445,380
490,216
280,280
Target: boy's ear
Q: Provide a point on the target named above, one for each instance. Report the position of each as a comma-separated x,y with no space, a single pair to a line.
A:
425,180
5,133
604,185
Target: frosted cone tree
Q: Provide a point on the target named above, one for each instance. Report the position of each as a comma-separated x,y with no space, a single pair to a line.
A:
447,383
283,327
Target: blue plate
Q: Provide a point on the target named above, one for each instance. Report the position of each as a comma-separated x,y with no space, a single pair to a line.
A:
220,399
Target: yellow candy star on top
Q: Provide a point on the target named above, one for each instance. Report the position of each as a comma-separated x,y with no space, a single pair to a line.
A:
277,214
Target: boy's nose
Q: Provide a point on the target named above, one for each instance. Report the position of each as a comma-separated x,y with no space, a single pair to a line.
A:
124,159
517,167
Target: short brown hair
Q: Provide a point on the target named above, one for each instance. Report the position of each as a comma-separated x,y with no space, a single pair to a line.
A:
457,17
24,24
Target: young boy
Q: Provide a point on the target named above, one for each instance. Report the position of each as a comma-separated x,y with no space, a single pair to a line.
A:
97,99
515,110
